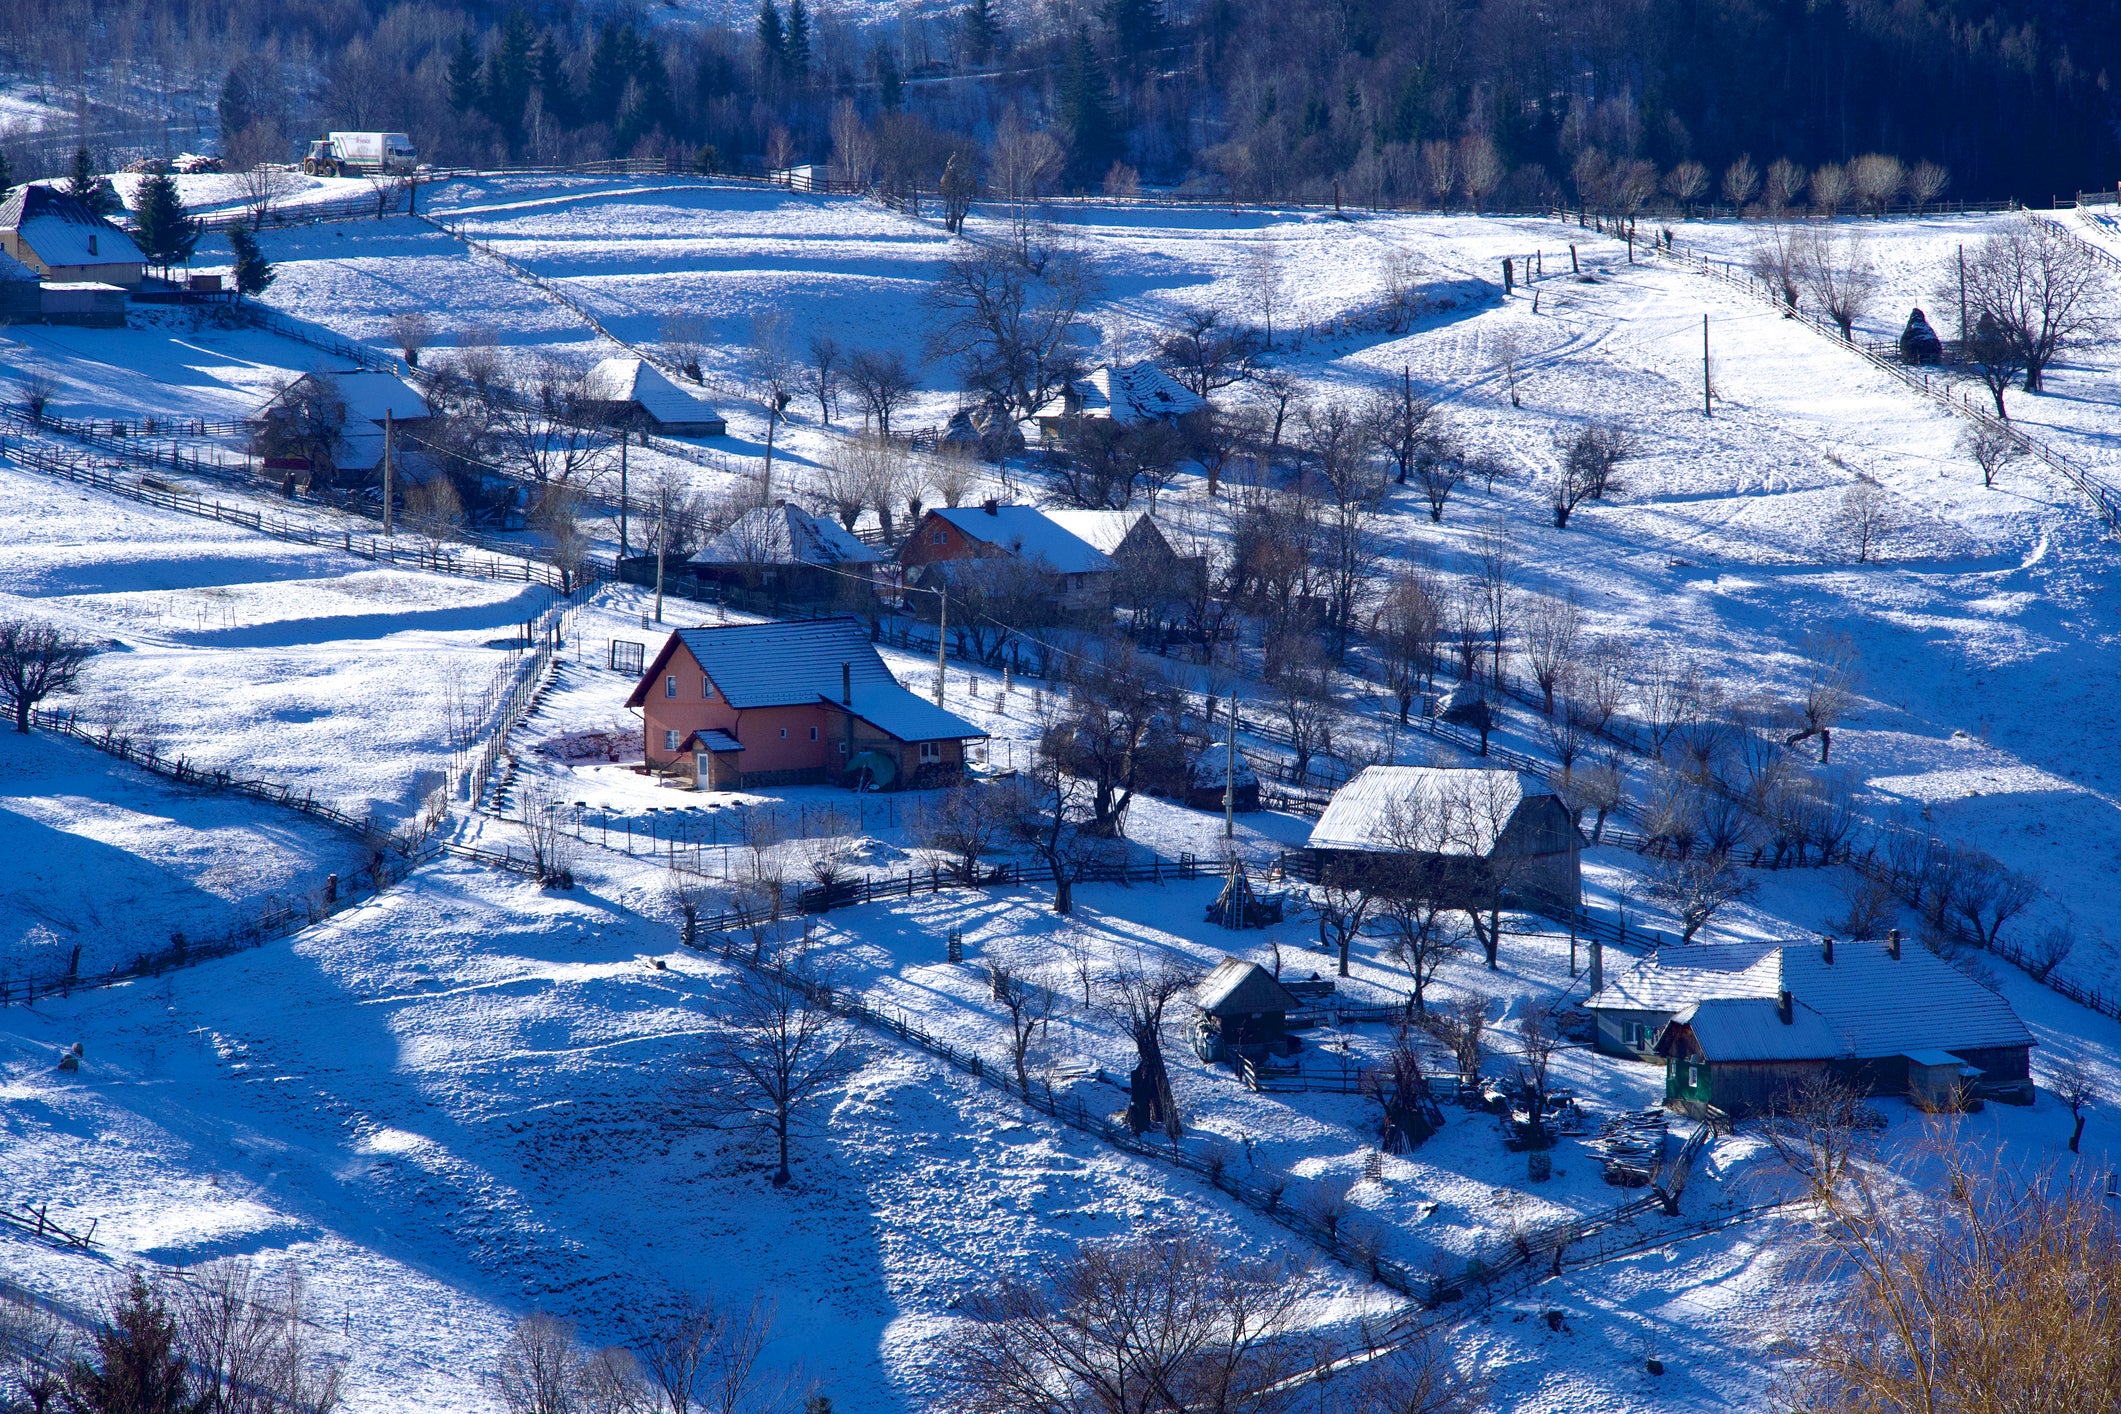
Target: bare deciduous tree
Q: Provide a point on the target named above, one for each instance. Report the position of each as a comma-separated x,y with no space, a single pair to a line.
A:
2040,289
2078,1088
1992,449
1740,181
882,383
1828,689
539,1367
1007,324
1551,629
777,1046
38,660
1865,517
1697,887
1936,1288
1838,273
1875,179
1225,1334
1027,1004
1136,996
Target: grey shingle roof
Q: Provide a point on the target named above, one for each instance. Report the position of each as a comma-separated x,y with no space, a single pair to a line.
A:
634,380
1237,987
1750,1029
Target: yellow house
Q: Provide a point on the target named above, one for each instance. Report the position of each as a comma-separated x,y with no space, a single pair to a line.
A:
57,236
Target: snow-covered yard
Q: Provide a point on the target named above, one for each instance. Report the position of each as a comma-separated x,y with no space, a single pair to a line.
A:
469,1098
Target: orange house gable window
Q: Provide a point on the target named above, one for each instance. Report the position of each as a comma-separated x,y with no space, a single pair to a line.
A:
670,686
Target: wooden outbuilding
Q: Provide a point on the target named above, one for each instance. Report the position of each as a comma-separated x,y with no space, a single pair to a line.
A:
1245,1007
1461,827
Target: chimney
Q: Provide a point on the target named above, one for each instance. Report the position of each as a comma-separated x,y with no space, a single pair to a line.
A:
1892,943
1786,1007
847,683
1597,965
1827,949
991,506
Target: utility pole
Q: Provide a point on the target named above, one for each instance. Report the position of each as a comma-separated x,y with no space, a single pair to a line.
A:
1230,773
624,440
942,637
389,436
661,514
1962,297
1705,411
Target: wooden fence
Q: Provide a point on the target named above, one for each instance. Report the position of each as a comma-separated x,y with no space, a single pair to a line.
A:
1355,1247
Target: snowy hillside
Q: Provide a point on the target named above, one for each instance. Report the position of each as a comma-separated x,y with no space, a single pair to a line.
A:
473,1097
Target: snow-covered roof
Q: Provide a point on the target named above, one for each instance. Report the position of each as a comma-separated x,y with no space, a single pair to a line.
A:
798,663
1029,532
1752,1029
63,231
1104,531
636,381
785,535
712,741
1674,978
1365,814
1877,1005
1127,394
1237,986
369,397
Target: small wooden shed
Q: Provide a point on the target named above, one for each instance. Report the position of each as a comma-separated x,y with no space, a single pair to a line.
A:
1245,1005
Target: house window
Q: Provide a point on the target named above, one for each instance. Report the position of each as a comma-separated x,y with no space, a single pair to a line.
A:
813,733
843,748
931,751
670,686
784,733
939,537
670,741
707,688
1693,1077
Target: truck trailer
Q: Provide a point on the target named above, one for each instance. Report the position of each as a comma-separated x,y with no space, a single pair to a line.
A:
360,155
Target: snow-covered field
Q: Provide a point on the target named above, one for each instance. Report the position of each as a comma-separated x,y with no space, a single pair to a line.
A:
468,1098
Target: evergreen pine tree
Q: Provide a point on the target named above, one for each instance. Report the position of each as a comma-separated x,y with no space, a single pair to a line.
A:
1137,27
983,31
611,64
773,40
164,231
89,186
554,90
890,87
1086,113
465,90
508,78
798,41
136,1367
253,272
648,105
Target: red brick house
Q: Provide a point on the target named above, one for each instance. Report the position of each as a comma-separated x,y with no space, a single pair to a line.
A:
790,703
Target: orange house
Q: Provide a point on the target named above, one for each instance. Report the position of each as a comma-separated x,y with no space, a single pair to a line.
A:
791,703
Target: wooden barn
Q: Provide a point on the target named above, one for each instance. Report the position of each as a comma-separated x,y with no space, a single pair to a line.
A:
635,395
1744,1025
1459,825
1244,1008
797,556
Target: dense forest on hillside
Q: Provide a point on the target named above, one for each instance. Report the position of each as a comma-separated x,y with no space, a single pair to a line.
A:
1452,102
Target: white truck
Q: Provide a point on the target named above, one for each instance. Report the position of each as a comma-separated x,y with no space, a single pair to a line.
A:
360,155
